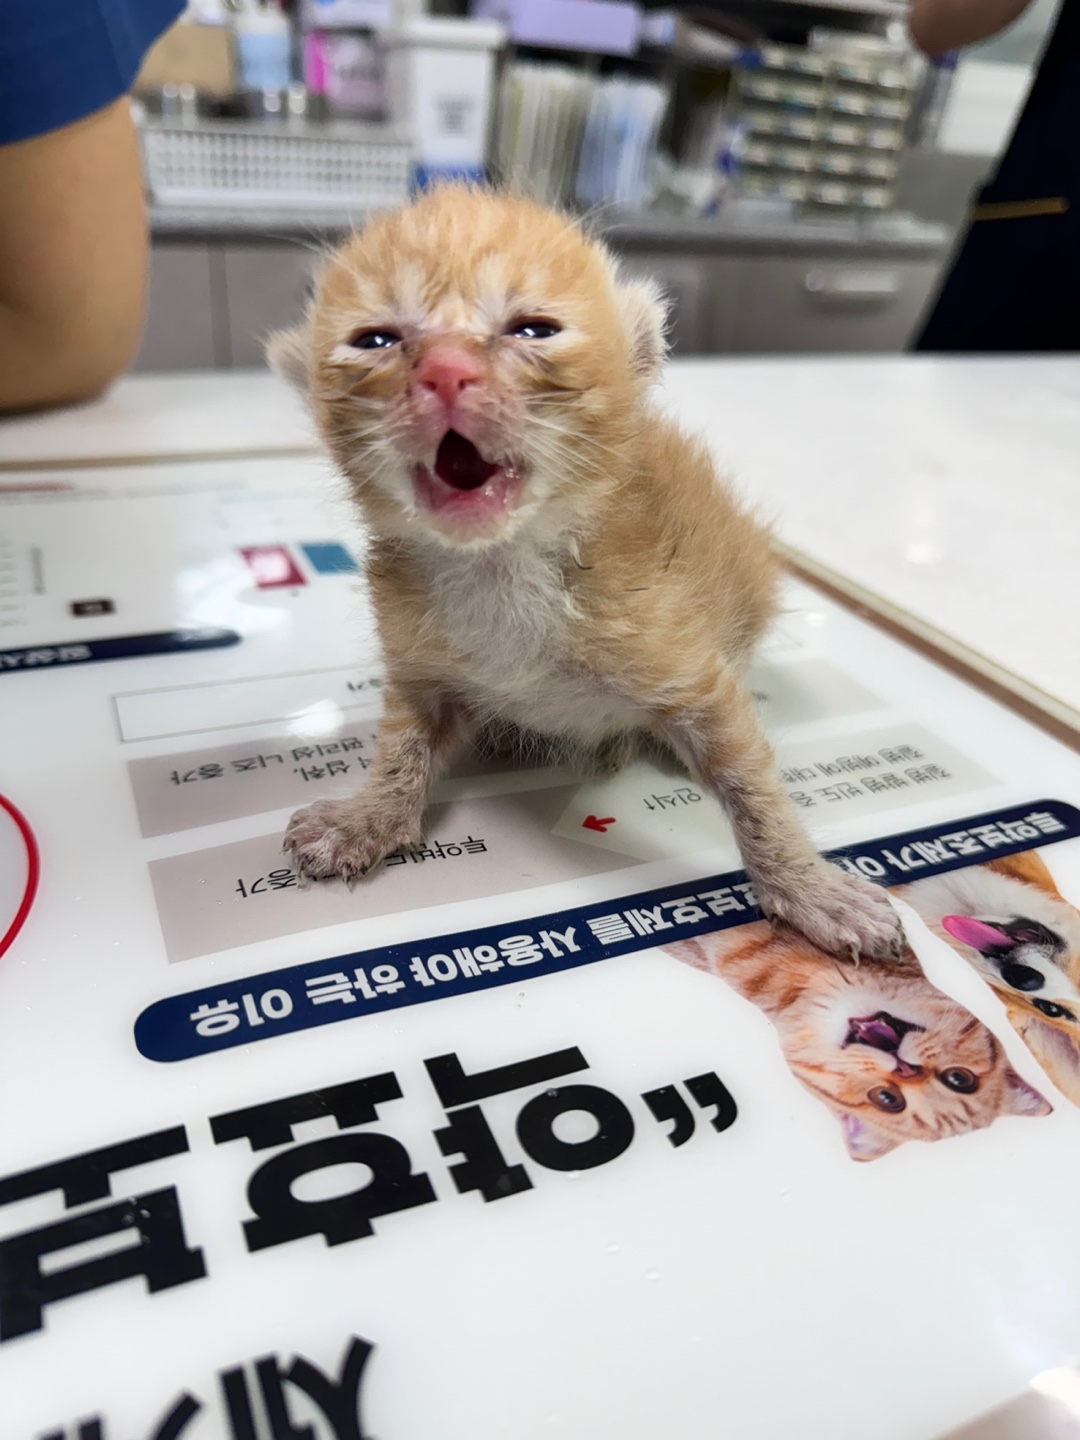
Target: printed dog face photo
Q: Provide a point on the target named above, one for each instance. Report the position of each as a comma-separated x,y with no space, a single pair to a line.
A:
1008,920
891,1056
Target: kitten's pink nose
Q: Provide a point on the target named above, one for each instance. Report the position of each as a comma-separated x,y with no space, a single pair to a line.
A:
446,370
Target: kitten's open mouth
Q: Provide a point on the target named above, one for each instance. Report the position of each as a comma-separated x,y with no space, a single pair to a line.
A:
459,463
465,489
882,1031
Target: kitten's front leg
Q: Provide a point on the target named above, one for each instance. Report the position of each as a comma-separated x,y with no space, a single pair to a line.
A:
347,837
721,742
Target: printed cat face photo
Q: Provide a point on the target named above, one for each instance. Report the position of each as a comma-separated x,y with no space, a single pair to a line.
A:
891,1056
474,363
1009,921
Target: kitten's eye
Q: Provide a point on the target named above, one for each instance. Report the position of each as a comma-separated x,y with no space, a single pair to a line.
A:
1052,1009
533,329
374,340
887,1098
957,1078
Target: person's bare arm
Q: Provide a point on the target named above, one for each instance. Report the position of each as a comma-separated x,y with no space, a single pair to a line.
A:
937,26
73,255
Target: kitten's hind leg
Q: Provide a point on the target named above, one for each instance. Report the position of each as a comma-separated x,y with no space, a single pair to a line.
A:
721,742
347,837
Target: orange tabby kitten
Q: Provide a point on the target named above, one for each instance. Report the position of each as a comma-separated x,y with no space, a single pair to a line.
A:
547,553
891,1056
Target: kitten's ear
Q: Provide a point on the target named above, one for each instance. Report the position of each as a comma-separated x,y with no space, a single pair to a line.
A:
1055,1051
289,354
690,952
864,1141
644,316
1022,1098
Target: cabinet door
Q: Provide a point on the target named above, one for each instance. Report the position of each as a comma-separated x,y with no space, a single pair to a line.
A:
808,306
266,287
179,332
702,295
726,279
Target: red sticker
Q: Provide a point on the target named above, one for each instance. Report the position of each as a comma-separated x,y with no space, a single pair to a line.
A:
271,566
18,853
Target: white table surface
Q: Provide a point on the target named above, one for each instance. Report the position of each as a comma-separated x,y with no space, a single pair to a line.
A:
944,493
947,489
153,416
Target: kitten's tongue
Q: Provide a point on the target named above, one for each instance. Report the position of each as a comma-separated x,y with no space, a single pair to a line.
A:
975,933
881,1031
460,464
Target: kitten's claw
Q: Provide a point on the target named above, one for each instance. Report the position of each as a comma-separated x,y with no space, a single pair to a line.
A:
615,754
839,912
342,838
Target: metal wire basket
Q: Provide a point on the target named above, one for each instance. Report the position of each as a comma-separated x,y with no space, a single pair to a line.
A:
324,167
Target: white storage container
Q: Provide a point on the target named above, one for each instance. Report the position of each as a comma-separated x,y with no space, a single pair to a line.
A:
441,74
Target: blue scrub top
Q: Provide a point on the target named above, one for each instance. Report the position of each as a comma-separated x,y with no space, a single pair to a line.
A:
60,60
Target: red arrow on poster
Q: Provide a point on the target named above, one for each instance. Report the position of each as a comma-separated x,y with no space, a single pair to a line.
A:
19,867
591,822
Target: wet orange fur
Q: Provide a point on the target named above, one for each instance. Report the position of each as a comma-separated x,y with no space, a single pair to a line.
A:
622,591
811,999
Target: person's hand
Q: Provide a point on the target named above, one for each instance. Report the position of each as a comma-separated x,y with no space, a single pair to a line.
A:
938,26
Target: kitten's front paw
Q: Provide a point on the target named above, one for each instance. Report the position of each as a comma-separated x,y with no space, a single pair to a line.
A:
840,912
341,837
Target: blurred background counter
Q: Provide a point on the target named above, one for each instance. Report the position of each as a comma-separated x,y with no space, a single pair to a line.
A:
792,173
220,282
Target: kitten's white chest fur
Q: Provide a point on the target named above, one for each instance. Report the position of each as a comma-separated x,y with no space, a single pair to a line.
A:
507,609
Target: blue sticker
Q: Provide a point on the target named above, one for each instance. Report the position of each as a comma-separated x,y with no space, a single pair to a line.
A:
121,647
425,176
367,982
330,559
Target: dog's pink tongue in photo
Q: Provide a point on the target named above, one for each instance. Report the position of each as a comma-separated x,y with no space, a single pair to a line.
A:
975,933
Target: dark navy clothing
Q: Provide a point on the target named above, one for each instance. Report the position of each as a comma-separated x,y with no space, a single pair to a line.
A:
1015,283
60,60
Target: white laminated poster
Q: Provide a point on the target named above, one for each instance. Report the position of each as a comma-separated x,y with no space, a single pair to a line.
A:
538,1132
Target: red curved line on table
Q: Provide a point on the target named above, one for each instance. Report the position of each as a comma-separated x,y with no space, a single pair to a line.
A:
33,874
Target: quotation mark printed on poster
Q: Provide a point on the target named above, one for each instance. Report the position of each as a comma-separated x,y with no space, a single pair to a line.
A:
36,1272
